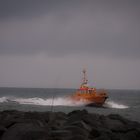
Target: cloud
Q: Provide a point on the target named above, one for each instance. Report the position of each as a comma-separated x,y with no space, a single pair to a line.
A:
29,8
33,8
46,43
110,28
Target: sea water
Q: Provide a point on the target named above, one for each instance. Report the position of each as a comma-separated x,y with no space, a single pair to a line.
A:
123,102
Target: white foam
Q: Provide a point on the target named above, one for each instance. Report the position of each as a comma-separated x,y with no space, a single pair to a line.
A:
3,99
61,101
112,104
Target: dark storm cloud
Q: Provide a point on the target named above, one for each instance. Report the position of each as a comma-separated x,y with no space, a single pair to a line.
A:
108,27
32,8
19,8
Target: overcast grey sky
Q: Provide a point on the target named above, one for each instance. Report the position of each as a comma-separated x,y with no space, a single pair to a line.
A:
47,43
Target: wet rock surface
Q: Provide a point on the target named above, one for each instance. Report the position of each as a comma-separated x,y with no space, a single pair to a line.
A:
76,125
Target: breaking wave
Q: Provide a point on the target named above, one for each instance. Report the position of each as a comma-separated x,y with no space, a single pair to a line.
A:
112,104
60,101
3,99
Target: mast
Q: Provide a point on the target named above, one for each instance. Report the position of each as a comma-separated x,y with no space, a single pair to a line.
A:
84,77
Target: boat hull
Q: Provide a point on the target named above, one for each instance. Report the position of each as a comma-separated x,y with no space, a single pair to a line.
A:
97,104
91,99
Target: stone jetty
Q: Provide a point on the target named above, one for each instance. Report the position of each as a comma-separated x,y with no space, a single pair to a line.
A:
76,125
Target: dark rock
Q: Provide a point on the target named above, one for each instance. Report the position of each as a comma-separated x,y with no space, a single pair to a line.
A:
95,133
114,125
132,135
57,124
60,116
25,131
99,132
9,118
76,115
78,137
92,120
2,130
57,121
132,125
61,134
77,130
78,112
120,124
76,125
81,124
118,117
103,137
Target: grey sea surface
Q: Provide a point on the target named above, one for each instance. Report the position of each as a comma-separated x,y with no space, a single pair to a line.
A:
122,102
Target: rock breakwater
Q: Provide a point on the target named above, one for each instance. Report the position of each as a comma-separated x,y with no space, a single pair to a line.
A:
76,125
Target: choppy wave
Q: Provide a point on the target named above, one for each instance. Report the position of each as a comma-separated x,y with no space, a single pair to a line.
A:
3,99
60,101
112,104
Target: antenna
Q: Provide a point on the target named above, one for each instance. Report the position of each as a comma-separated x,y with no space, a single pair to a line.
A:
85,77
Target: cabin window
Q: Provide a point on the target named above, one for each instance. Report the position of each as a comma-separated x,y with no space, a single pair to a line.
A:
90,91
82,91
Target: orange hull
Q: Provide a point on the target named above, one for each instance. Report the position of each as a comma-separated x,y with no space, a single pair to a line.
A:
92,98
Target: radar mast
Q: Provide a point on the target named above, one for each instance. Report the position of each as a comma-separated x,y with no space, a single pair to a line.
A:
84,82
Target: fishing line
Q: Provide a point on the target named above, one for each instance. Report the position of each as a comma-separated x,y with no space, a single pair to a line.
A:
54,91
52,103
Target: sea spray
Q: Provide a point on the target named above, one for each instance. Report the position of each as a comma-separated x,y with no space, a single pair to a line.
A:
112,104
59,101
3,99
64,101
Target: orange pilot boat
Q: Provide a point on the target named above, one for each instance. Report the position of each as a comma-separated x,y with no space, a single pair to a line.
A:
90,96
